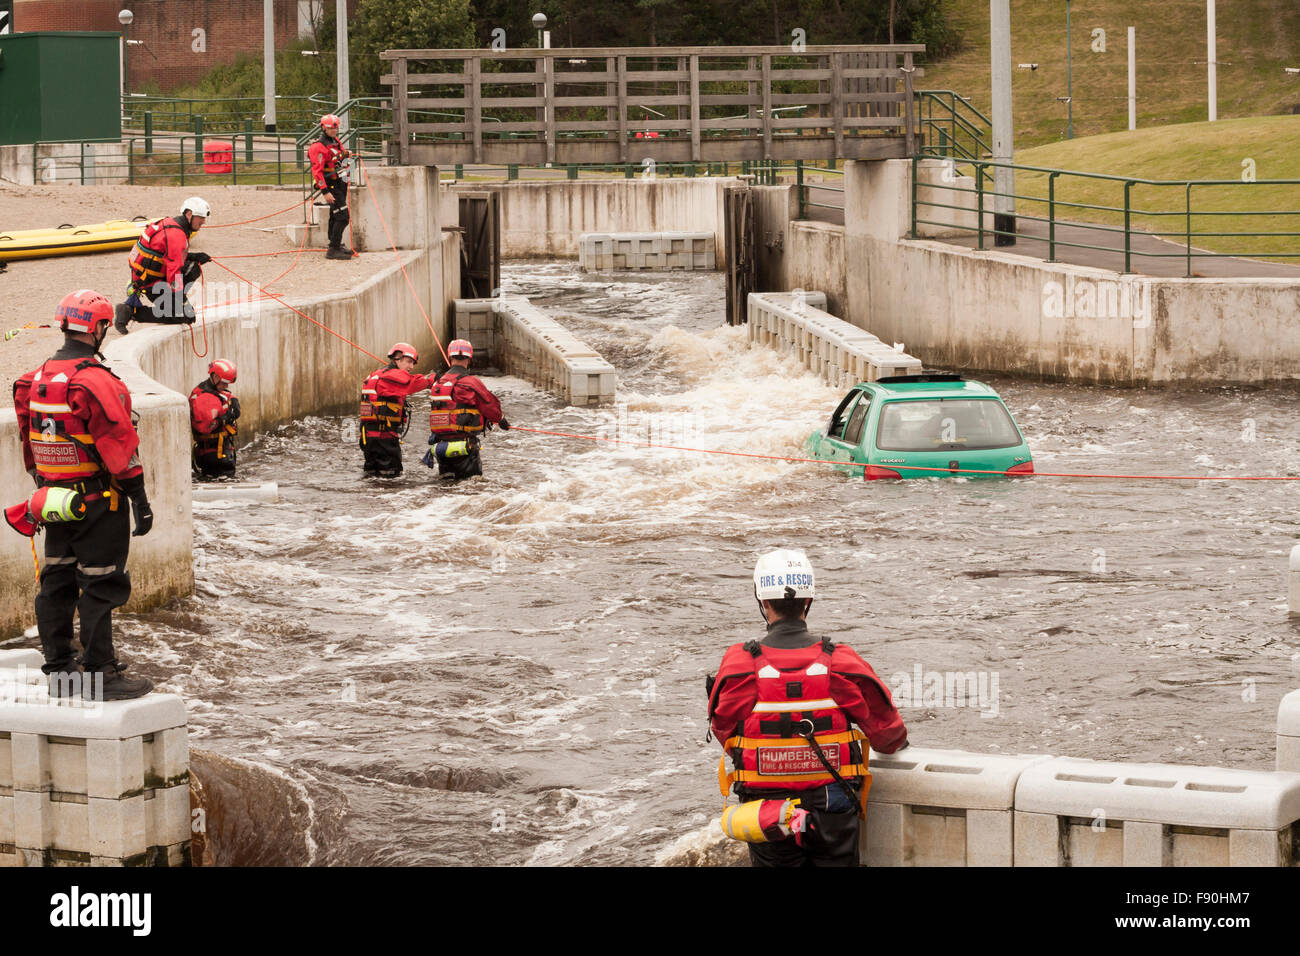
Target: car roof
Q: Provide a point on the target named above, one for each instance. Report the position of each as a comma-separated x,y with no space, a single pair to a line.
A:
947,388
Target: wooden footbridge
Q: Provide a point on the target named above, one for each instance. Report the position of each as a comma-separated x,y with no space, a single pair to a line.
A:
663,104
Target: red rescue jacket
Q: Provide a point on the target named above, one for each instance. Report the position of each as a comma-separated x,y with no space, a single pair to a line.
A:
383,401
459,404
74,417
765,698
159,253
209,405
326,155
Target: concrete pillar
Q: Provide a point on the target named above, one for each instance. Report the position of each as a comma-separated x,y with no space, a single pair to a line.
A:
1288,733
90,782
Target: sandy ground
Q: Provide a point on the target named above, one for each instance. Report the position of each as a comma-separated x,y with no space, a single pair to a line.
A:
32,288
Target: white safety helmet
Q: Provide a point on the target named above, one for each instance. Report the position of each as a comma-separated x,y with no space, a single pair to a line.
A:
783,574
197,206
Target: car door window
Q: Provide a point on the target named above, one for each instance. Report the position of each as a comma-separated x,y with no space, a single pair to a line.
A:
853,431
839,418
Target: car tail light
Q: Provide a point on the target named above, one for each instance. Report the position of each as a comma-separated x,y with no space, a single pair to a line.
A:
1024,468
872,472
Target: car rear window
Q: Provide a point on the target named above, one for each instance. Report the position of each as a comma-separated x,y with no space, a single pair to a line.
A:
945,424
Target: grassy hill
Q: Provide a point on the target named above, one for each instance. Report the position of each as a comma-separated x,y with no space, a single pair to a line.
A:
1256,40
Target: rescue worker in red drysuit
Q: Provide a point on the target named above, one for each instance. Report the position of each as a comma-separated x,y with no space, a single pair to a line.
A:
383,410
769,695
163,269
327,155
78,431
213,413
460,408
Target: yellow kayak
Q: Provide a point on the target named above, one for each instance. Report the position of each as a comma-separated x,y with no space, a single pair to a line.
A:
71,240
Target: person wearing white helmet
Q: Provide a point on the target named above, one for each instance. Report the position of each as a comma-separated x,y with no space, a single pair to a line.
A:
163,269
795,715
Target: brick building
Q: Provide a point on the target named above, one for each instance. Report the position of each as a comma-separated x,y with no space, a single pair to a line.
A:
183,39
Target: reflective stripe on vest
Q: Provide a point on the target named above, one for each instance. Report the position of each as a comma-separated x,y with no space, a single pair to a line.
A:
380,414
770,750
445,414
61,443
146,260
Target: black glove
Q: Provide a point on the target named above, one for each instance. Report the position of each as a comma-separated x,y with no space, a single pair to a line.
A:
38,478
505,425
233,414
202,258
133,488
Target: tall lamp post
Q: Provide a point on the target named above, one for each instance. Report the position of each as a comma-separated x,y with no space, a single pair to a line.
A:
1069,95
539,24
125,17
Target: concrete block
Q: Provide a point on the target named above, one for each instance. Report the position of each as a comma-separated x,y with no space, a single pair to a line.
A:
1146,844
31,762
26,659
1288,733
6,820
1037,839
112,719
116,828
113,769
1260,848
989,838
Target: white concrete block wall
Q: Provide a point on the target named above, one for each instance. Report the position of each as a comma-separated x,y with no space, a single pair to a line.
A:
1288,733
841,353
942,808
523,340
1072,812
90,782
660,251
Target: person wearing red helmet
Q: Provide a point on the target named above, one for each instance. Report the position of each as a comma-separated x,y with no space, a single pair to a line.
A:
327,155
383,410
785,709
78,432
213,413
163,269
460,408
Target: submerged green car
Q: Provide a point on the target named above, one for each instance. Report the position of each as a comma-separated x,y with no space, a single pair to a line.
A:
923,426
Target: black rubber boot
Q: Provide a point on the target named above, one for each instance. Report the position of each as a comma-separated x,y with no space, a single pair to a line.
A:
121,316
117,686
337,252
66,683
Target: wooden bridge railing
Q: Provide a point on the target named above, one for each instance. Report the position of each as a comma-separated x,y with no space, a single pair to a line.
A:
667,104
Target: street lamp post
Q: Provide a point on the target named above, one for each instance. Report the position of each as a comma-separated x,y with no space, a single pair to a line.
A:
539,24
1069,93
125,17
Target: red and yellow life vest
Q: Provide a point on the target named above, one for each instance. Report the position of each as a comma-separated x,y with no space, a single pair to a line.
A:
380,413
148,255
449,415
63,449
769,752
219,441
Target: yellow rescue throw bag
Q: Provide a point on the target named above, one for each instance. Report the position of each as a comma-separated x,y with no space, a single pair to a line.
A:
764,821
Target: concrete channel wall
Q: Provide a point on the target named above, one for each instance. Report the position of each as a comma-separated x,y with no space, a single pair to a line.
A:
546,219
288,368
996,311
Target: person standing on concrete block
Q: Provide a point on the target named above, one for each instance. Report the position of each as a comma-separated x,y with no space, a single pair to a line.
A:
160,256
784,710
327,155
383,410
213,413
460,408
78,432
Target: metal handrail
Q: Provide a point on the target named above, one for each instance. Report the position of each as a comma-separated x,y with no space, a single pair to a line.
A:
1187,236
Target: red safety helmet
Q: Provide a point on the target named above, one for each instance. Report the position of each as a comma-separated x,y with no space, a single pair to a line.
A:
84,311
329,121
459,348
223,370
402,348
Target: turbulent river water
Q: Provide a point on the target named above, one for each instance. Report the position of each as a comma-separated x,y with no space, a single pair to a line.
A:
511,671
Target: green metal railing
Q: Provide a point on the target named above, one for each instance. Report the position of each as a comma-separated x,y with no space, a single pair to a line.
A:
1061,201
218,114
951,127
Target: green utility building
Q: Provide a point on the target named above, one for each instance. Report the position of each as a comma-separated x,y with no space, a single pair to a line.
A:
59,86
